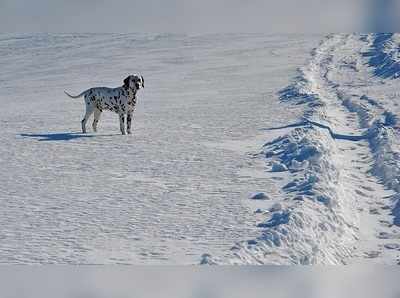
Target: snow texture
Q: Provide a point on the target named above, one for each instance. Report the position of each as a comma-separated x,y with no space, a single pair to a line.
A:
226,165
341,200
174,190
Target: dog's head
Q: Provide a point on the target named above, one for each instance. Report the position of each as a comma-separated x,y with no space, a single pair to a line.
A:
134,82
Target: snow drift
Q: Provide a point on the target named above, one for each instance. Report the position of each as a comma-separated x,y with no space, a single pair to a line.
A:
346,91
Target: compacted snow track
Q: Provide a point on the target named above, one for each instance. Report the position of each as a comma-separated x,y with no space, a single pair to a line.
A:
339,163
342,71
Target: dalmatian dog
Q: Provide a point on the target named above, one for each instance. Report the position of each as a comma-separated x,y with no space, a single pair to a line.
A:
121,100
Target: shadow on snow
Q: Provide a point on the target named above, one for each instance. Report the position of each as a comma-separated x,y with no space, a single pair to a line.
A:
336,136
63,136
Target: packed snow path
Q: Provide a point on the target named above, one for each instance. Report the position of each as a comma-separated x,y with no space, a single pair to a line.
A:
340,203
174,189
340,71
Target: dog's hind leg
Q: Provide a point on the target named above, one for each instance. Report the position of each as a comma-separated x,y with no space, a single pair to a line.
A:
96,119
89,112
122,123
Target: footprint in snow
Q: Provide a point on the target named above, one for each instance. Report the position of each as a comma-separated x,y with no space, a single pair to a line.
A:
277,178
360,193
385,223
372,254
386,235
374,211
365,187
392,246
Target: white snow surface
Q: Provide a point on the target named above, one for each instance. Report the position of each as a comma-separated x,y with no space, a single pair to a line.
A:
343,206
175,189
308,124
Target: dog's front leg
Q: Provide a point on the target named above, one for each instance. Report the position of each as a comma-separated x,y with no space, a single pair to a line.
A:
122,123
89,112
97,114
129,122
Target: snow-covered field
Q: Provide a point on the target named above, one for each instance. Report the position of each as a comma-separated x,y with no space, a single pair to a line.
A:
310,121
177,187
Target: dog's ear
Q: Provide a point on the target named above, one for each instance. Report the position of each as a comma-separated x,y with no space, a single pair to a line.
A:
142,81
126,82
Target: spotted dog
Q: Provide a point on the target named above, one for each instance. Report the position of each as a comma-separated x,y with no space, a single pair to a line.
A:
121,100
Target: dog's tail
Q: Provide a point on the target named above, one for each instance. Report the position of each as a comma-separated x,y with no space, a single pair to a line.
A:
77,96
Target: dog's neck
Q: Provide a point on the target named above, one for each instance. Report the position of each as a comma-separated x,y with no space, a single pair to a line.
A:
132,95
131,92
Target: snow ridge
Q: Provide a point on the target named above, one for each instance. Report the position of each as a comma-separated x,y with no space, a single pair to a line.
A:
315,228
329,158
315,223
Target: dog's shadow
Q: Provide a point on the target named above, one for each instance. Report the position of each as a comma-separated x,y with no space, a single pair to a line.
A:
61,136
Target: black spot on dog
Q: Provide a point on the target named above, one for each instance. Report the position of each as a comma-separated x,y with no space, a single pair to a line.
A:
126,82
